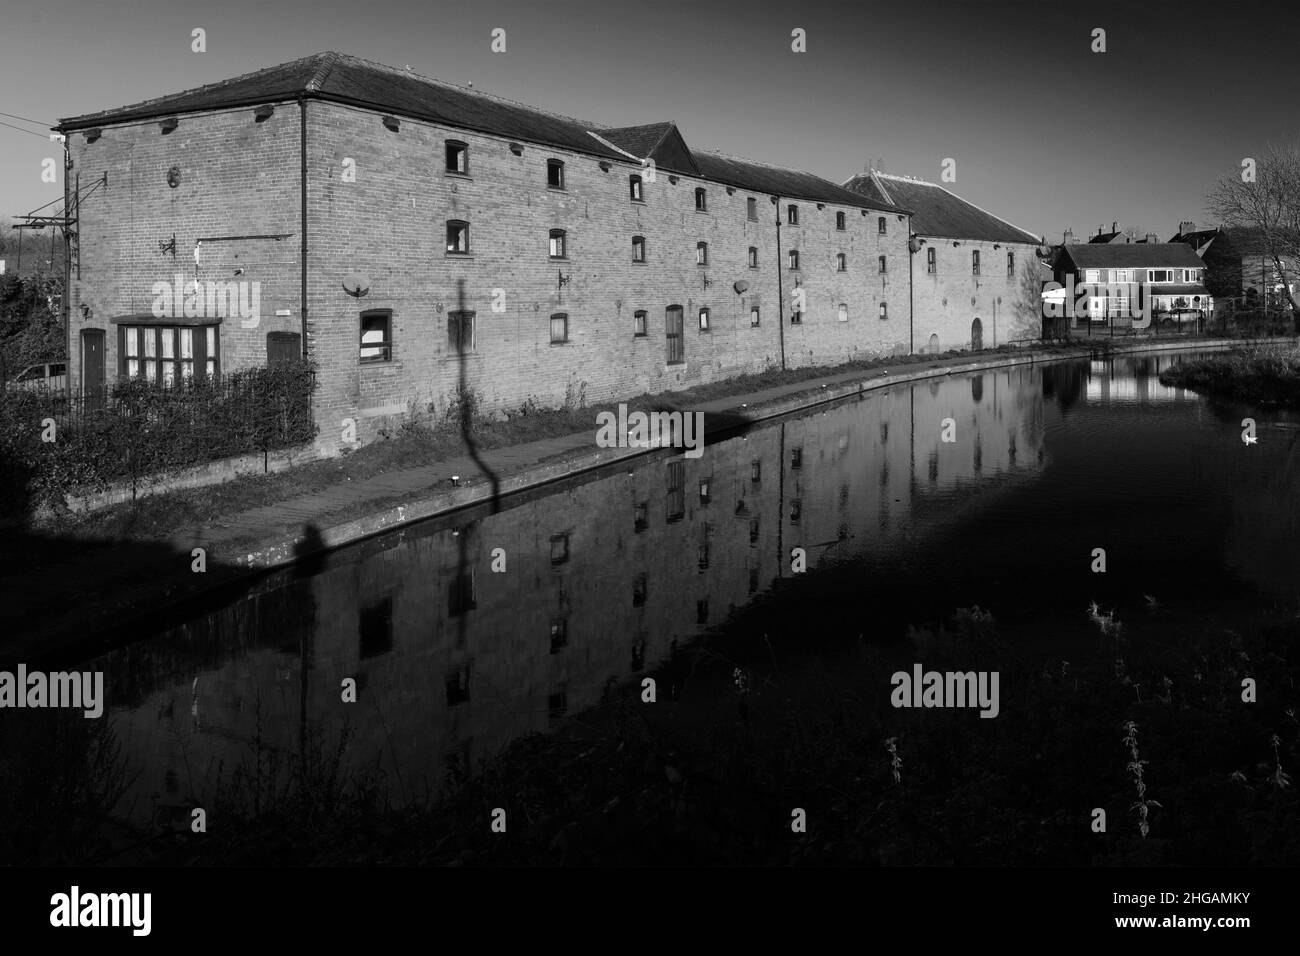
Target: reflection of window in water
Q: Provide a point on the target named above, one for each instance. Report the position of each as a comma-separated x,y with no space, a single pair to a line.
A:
753,530
641,516
376,627
796,458
638,655
705,534
702,611
457,684
676,502
457,764
559,635
461,596
934,466
978,456
557,703
639,590
753,580
884,432
559,548
796,510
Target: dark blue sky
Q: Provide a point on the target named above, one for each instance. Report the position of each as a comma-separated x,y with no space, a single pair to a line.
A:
1044,132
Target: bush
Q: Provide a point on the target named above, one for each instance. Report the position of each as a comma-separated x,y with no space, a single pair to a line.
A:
143,428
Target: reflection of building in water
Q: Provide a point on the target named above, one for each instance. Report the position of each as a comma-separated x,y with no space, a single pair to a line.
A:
602,581
1133,380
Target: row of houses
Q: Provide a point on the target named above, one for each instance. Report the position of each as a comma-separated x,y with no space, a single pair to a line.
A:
417,239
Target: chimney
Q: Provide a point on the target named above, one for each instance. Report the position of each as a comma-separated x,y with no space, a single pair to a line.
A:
1185,227
1068,238
1152,238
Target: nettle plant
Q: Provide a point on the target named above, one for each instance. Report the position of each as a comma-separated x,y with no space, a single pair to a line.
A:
1135,768
895,761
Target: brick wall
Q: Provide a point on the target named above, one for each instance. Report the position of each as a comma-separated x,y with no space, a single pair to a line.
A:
946,302
237,177
389,226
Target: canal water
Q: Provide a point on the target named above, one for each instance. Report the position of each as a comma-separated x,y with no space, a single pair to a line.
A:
608,577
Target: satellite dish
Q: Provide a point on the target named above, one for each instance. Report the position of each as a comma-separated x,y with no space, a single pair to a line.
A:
356,285
741,286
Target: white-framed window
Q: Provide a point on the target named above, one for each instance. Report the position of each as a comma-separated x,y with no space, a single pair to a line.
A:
1091,275
559,244
1121,275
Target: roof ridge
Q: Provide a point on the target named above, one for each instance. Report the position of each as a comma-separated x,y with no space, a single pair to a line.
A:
326,67
228,81
1006,222
474,91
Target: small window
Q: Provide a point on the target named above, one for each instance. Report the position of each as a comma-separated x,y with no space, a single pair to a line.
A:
639,590
555,174
457,237
884,310
702,253
751,209
793,257
460,331
559,328
841,262
753,317
705,496
376,336
753,257
559,244
641,516
796,318
975,262
701,200
792,215
839,221
1011,264
638,323
882,226
457,157
704,320
883,262
559,548
796,458
638,248
635,187
931,266
376,627
843,312
674,321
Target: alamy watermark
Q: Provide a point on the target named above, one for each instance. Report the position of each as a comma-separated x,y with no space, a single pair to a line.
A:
923,688
651,430
192,299
83,690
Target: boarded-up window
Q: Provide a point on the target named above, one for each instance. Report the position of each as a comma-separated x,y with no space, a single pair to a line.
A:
282,347
673,323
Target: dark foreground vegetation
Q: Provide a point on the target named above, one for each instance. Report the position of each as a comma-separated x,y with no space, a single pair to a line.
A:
1148,730
1264,375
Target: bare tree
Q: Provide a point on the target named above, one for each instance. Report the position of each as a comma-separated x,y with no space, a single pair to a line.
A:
1267,203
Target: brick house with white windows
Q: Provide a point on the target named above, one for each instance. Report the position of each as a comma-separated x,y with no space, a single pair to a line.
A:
1171,275
384,218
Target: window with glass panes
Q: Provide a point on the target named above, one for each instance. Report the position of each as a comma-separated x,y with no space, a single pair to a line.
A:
166,353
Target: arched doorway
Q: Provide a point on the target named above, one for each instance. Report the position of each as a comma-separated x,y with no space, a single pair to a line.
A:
933,346
976,335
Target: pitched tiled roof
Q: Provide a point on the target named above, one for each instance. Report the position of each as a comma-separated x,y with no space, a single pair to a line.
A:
1123,255
347,79
786,183
640,141
1102,237
937,212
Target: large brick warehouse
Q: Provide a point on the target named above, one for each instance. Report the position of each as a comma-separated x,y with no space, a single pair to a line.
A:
415,238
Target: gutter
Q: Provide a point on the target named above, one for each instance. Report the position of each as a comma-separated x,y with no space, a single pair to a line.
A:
302,172
780,285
